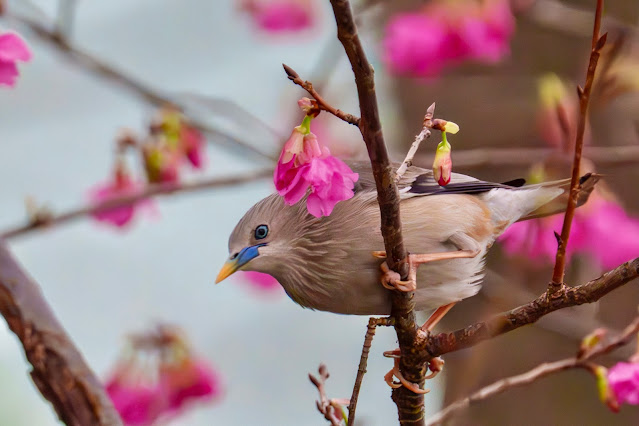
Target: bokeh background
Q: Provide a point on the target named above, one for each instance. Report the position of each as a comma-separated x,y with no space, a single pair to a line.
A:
58,130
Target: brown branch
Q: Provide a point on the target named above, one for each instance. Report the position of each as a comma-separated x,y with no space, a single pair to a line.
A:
373,323
598,43
59,370
410,405
529,313
148,192
323,105
533,375
106,71
627,155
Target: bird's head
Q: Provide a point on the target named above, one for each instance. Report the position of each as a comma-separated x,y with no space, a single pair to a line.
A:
262,239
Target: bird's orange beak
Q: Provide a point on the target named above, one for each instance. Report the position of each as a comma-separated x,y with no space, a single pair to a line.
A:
238,260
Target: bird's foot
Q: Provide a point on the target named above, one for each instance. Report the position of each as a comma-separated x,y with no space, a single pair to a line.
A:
391,280
395,373
435,365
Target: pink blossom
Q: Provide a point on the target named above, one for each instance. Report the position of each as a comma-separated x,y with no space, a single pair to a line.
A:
276,16
601,229
12,49
329,179
261,281
623,379
122,185
446,33
161,163
137,403
193,145
187,381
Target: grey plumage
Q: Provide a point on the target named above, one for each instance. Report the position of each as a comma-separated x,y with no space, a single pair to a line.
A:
327,263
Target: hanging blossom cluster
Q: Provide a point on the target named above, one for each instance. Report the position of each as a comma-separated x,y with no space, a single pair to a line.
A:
171,144
306,167
447,33
280,16
158,378
13,49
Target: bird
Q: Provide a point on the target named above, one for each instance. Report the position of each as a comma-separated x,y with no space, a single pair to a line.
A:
335,263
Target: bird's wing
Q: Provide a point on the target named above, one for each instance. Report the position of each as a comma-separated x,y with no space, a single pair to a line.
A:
418,181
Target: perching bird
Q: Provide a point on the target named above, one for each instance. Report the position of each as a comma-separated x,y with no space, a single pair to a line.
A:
327,263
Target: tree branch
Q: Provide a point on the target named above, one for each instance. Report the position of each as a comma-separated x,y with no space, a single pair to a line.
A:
373,323
106,71
598,43
148,192
533,375
529,313
410,405
323,105
59,371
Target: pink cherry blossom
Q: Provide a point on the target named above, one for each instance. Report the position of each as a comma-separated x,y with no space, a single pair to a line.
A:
188,381
12,49
122,185
623,379
310,166
138,404
276,16
447,33
601,229
161,163
193,145
261,281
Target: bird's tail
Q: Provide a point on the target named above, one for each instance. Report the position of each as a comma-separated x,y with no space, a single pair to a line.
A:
509,205
557,203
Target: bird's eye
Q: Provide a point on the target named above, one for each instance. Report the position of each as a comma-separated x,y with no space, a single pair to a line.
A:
261,232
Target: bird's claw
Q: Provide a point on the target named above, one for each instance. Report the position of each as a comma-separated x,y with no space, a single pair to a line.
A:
435,365
391,280
388,377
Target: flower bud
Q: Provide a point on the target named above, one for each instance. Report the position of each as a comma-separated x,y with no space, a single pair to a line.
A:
443,165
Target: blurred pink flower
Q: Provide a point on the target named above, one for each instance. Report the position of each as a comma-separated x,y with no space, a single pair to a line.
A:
161,163
277,16
601,229
193,145
305,164
158,378
138,404
12,49
188,381
122,185
261,281
623,379
447,33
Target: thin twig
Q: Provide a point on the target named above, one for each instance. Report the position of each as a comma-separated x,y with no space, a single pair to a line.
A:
323,105
598,43
328,407
533,375
410,406
58,368
148,192
373,323
425,133
104,70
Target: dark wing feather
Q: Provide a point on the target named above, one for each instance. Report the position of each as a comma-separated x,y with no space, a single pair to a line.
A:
421,181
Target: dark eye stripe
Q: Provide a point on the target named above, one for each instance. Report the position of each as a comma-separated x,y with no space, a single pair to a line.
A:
261,232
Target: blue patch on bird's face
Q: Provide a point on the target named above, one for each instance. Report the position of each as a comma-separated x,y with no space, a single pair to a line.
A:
247,254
